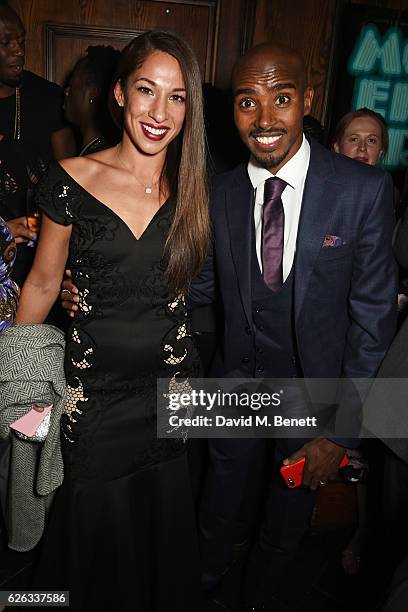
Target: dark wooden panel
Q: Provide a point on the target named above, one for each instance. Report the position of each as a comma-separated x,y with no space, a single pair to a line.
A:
194,20
236,21
308,27
218,30
65,43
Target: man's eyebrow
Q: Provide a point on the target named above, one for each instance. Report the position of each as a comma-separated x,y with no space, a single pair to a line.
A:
278,87
246,91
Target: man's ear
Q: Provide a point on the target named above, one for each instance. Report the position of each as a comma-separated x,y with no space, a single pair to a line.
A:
119,94
336,148
308,99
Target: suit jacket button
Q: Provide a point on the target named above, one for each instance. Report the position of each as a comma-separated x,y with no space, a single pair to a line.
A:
245,360
260,369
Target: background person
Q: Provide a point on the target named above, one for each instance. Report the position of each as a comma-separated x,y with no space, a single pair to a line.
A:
35,133
401,251
9,293
361,135
86,98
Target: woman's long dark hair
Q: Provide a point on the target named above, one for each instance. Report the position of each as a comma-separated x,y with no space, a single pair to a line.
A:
184,171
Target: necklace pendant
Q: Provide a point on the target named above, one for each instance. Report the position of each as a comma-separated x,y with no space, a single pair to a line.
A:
148,190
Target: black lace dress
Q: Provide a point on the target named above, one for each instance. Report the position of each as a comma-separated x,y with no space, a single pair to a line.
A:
121,533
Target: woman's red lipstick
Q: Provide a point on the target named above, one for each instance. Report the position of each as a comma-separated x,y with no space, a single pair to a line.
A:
154,132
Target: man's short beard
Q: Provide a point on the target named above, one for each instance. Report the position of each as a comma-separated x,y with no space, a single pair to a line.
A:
11,82
271,162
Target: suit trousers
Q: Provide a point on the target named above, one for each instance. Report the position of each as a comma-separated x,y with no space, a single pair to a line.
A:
234,465
235,468
285,521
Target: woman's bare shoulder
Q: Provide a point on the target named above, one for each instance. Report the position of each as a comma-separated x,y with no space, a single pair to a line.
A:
84,169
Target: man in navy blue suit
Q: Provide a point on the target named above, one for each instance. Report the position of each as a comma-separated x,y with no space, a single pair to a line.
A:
308,290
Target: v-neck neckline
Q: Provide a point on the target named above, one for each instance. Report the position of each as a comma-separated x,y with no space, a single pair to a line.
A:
113,213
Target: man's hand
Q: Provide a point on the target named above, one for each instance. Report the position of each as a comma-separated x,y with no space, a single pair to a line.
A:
69,295
20,230
322,461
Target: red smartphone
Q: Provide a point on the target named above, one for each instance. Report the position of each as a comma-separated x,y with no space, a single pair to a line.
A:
292,474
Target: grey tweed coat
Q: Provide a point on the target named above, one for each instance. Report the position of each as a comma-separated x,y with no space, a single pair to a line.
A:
31,367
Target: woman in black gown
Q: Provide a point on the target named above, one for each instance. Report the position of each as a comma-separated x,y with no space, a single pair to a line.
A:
132,221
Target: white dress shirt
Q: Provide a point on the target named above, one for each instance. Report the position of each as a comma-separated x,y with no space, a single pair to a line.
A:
294,173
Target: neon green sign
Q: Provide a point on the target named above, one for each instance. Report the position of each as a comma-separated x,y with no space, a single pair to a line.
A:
380,65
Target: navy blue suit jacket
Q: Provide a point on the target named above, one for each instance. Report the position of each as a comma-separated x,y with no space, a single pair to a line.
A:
344,296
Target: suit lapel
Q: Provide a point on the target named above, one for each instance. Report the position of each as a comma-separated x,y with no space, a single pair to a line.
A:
315,219
239,209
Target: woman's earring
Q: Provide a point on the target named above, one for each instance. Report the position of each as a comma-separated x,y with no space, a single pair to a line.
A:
91,100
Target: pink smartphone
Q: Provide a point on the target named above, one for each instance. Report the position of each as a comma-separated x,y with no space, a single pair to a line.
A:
30,422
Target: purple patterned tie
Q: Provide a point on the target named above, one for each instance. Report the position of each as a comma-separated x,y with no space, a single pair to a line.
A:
272,233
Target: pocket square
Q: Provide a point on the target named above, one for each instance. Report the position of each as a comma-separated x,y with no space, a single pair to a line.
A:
332,241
